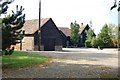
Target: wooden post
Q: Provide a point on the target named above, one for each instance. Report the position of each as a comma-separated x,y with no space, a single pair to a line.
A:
39,31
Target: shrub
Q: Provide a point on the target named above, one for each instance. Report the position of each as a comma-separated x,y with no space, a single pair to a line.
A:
88,43
94,43
115,42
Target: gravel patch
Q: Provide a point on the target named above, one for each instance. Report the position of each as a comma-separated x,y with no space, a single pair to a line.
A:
71,63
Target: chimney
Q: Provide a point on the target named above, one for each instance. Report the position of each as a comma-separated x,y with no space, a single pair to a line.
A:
81,24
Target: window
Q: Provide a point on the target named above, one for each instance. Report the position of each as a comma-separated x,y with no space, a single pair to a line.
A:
81,36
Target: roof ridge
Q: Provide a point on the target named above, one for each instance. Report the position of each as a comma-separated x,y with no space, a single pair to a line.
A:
36,19
31,26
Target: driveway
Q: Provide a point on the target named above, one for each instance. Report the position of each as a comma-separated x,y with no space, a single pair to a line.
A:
72,63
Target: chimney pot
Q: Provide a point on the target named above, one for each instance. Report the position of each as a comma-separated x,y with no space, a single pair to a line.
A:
82,24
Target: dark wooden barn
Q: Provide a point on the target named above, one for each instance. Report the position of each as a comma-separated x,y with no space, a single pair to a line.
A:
65,32
51,38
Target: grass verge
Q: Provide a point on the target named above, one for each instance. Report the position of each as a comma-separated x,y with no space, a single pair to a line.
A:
22,59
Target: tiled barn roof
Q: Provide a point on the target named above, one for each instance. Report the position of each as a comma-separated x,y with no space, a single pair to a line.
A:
31,26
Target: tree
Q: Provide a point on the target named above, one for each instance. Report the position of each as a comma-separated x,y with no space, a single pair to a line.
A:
89,34
74,33
113,31
11,26
118,37
4,6
95,42
115,5
104,37
88,43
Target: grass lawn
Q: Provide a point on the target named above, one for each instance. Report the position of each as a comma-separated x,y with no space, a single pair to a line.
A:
22,59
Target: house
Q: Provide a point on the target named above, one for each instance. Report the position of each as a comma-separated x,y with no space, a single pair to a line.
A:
65,32
50,38
66,35
82,33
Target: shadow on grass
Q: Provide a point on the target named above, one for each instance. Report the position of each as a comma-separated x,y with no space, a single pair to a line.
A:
22,59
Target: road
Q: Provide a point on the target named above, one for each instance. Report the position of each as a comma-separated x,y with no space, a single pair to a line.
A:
72,63
108,57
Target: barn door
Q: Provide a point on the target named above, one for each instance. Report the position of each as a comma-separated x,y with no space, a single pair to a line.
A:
49,44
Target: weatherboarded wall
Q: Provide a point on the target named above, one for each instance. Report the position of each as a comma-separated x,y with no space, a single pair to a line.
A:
51,39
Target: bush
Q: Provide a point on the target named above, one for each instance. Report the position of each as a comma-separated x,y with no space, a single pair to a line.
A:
94,42
88,43
8,51
115,43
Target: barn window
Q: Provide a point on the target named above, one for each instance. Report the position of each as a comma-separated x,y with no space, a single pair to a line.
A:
81,36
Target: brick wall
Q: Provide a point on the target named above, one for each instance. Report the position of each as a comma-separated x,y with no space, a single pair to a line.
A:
16,47
28,43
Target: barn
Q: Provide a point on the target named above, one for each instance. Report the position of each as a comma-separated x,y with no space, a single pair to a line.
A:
50,36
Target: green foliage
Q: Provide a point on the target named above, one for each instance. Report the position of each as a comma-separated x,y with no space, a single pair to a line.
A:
4,6
89,38
94,42
11,26
74,33
89,34
8,52
22,59
88,43
113,30
108,37
105,37
118,36
115,42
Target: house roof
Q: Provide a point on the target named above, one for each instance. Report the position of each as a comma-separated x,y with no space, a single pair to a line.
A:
65,30
31,26
82,27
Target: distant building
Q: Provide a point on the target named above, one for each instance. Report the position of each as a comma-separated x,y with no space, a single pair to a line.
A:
51,38
65,32
66,36
82,33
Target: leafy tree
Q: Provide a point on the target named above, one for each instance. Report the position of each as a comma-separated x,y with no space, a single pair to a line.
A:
94,42
11,26
89,37
89,34
74,33
113,31
104,37
118,37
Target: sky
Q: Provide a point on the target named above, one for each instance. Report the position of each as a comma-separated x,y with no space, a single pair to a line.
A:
63,12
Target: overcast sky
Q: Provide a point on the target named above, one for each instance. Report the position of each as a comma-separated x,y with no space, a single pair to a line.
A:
63,12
